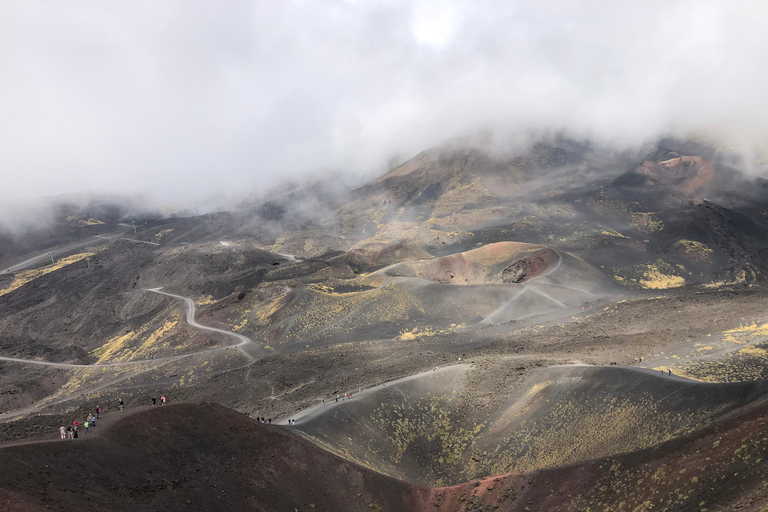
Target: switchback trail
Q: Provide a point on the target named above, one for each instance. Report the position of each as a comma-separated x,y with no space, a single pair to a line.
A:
190,318
191,308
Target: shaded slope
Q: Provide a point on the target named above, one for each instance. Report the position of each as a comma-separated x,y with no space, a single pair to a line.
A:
198,457
723,467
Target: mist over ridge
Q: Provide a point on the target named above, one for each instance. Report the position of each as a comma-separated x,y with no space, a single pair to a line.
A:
189,100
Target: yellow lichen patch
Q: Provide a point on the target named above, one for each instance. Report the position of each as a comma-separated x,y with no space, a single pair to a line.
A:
205,300
746,333
112,347
645,222
416,333
693,250
268,309
657,276
158,335
139,344
89,222
161,234
611,232
22,278
740,278
243,322
753,350
346,288
654,279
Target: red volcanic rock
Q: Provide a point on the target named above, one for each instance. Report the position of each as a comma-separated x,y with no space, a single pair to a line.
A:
685,174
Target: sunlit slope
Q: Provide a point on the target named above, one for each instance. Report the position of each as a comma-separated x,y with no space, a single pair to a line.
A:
675,215
430,430
499,283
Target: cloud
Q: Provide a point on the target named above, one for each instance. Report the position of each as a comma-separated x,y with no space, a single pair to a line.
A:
183,99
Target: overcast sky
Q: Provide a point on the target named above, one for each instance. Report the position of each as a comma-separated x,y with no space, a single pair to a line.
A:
189,98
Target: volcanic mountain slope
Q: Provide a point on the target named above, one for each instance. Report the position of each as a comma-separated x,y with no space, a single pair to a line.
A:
205,457
591,229
437,429
663,218
502,282
459,250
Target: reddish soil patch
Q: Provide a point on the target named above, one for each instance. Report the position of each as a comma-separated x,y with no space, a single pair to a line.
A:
502,262
686,174
719,468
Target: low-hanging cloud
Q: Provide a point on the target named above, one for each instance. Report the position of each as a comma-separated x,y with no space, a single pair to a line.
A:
183,99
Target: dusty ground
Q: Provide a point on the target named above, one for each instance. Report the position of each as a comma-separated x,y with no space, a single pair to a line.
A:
204,457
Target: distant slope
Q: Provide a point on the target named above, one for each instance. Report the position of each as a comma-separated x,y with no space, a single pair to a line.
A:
429,431
645,218
498,283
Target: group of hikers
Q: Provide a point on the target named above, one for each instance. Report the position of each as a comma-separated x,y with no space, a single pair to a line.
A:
120,402
90,420
72,432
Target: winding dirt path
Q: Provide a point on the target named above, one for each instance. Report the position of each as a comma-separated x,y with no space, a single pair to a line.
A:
191,309
321,408
190,318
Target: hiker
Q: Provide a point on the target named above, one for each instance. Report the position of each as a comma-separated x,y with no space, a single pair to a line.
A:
729,378
93,421
270,421
76,424
337,398
154,400
98,411
162,399
74,433
69,432
85,424
63,432
120,403
670,371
